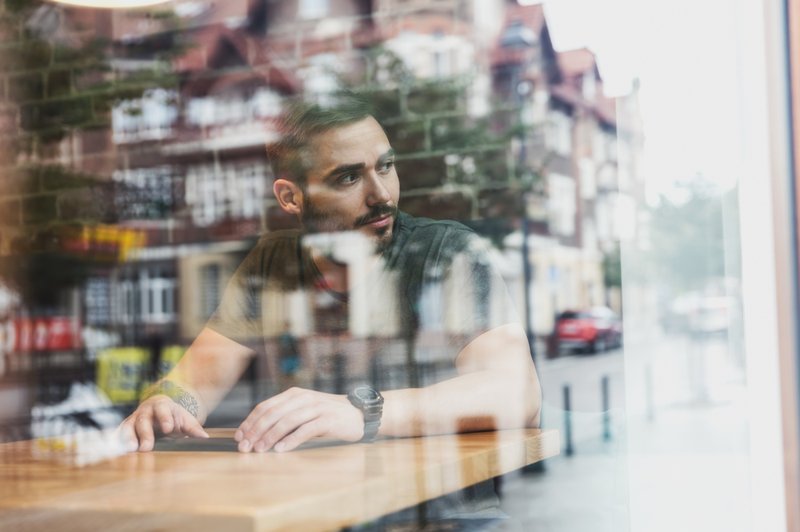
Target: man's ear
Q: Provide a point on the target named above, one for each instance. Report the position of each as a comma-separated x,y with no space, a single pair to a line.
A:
289,196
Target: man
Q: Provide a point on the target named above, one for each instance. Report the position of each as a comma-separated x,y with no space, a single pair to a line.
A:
335,172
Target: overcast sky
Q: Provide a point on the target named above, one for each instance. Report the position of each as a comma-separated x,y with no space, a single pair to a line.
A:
687,55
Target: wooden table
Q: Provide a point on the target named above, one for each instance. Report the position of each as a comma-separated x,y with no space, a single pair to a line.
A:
322,488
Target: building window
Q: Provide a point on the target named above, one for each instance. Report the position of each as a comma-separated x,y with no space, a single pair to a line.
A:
158,297
200,112
215,193
562,204
150,117
145,297
144,193
233,108
191,9
98,301
266,103
558,134
321,78
209,289
588,179
126,308
309,9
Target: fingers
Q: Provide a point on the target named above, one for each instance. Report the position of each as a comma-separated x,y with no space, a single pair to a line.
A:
255,423
139,428
245,430
127,435
143,426
164,414
295,416
189,425
285,425
263,418
308,431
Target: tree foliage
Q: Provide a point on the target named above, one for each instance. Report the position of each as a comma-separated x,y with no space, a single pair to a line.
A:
687,235
61,82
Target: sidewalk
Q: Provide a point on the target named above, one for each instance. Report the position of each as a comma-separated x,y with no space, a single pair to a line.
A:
680,473
685,469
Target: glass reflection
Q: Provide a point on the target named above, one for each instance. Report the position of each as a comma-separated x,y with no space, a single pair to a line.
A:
156,249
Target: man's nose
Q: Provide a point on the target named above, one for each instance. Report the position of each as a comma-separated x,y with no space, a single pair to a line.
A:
377,191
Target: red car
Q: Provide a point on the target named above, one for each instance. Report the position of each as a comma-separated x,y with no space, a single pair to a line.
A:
593,331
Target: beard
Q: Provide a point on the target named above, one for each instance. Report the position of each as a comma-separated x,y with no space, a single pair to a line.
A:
316,220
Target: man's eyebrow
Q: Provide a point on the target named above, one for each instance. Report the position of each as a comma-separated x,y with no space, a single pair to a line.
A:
389,153
344,168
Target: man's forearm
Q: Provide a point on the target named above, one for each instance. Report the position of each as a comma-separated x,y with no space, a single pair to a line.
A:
208,370
484,400
177,393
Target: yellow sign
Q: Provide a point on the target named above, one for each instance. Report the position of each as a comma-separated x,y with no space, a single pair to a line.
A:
120,372
109,241
170,356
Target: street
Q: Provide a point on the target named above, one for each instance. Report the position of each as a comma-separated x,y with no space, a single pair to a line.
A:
677,458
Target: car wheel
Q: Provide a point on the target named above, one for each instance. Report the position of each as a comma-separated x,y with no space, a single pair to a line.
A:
599,345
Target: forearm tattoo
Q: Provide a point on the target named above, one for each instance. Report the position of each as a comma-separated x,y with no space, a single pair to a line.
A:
176,393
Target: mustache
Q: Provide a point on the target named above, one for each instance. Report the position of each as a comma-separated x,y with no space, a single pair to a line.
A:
378,211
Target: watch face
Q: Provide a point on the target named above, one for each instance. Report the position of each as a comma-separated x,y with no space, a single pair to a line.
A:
366,394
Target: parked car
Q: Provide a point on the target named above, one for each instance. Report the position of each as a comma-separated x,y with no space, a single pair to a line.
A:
699,314
712,316
593,330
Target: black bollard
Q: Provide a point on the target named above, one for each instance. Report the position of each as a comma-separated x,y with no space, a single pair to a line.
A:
568,449
606,409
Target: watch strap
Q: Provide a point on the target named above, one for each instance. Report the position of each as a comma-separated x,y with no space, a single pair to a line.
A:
372,412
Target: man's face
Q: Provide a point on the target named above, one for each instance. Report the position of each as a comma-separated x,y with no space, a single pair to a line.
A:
352,183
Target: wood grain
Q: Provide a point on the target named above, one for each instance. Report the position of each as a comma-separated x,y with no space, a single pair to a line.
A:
322,488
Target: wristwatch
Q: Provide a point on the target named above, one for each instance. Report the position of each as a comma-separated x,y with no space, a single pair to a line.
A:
370,402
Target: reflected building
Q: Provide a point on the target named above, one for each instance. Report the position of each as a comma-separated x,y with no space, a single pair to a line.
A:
491,125
586,165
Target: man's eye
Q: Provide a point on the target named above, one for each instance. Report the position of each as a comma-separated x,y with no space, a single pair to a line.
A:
347,179
385,167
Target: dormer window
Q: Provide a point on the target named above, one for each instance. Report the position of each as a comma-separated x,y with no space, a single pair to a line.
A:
312,9
518,35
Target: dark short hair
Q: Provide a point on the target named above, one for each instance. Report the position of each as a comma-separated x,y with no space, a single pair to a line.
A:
302,121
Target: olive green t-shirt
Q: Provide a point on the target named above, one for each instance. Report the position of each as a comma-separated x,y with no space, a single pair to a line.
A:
436,282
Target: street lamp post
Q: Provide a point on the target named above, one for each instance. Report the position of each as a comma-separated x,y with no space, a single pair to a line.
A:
523,90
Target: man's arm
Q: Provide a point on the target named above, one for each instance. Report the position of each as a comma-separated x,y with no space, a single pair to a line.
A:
497,388
180,403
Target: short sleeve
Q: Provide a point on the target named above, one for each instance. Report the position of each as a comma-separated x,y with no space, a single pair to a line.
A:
238,315
476,294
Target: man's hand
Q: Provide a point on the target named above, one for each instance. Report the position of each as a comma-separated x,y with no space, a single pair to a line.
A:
162,413
295,416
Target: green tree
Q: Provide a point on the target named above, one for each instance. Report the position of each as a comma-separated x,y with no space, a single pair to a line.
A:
61,81
687,237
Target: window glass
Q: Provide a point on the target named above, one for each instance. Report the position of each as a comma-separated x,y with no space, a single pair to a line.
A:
537,232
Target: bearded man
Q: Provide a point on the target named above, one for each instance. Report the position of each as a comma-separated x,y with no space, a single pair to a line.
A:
335,172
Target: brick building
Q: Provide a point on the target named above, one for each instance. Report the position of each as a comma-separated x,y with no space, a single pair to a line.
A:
490,122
